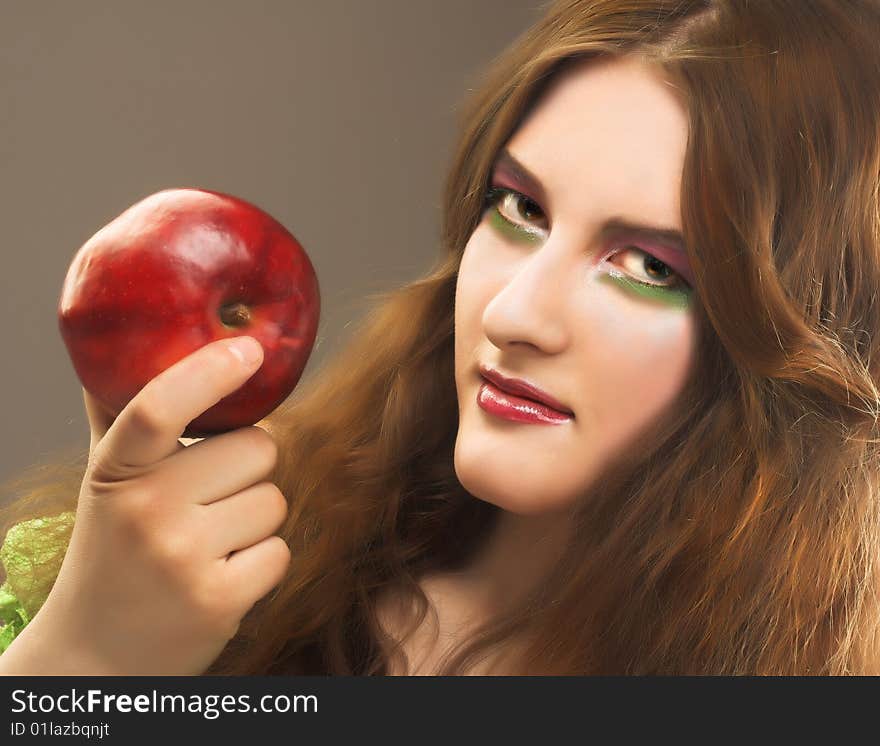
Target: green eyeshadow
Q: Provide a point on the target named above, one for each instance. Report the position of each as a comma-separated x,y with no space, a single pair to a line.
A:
511,231
673,297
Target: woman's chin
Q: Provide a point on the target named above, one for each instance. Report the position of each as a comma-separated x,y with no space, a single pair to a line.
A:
520,491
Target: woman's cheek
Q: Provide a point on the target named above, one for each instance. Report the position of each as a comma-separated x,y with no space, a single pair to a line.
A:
636,351
651,366
481,270
473,292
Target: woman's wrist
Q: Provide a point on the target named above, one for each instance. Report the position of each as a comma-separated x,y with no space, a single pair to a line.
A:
39,651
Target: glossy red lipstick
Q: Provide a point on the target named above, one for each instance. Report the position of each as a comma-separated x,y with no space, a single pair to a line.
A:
518,401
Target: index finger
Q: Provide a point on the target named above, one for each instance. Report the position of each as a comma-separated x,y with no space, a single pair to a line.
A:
147,429
100,419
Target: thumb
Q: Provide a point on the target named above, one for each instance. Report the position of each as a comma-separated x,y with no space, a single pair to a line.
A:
101,418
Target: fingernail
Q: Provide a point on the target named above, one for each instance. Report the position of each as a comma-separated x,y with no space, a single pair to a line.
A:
246,349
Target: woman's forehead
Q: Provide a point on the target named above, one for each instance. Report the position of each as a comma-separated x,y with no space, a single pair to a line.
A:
607,139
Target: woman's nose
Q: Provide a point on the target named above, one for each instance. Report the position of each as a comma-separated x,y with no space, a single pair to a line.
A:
530,307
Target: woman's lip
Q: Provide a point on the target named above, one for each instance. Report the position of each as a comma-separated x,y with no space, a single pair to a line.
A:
518,387
509,406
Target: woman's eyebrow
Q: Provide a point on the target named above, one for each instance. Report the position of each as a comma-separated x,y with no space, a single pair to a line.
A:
669,237
510,167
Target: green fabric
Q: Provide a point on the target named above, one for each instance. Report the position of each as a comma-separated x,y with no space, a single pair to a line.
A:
31,555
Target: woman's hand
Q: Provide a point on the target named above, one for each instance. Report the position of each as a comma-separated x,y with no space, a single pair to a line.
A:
172,545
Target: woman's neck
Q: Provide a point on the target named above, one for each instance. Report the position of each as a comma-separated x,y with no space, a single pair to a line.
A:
514,558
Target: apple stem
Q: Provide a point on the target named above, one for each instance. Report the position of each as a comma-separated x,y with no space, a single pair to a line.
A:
235,314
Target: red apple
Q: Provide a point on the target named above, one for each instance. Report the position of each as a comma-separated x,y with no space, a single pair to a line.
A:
175,271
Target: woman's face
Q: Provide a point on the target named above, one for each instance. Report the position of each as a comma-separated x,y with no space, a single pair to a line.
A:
558,287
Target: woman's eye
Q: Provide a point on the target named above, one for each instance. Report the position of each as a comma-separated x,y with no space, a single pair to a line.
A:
515,208
522,213
647,269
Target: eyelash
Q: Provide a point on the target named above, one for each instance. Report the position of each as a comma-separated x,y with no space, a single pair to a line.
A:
495,193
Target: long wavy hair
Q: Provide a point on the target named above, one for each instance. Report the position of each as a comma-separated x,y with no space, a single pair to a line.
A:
740,534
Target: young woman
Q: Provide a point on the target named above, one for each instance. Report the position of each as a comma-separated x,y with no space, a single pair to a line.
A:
665,217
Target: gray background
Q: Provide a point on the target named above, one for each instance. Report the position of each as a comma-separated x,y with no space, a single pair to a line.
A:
335,117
